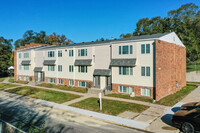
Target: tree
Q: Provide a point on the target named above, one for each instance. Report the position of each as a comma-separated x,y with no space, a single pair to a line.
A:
33,37
184,21
6,52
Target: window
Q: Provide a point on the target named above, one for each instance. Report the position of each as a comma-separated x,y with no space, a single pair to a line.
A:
82,84
125,89
71,53
60,68
20,67
127,49
125,70
51,68
20,55
20,78
145,48
82,69
26,78
145,92
60,53
82,52
26,55
60,81
145,71
50,53
26,67
71,68
51,80
71,82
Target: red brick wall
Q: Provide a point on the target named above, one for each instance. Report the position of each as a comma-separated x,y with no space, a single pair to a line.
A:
31,78
137,89
170,68
66,81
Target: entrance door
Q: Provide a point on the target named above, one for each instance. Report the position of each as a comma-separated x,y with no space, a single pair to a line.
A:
96,81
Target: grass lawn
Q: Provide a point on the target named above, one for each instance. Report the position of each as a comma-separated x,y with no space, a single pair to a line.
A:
49,95
110,107
2,79
176,97
6,85
11,79
144,99
193,67
62,87
21,82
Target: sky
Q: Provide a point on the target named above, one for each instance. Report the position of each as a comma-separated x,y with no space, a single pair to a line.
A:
80,20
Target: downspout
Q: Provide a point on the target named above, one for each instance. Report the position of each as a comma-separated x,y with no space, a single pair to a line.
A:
154,70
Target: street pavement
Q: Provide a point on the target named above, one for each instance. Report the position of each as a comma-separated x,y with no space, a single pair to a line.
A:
21,110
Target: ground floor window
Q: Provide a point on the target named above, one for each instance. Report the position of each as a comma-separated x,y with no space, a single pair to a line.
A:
26,78
82,84
51,80
20,78
145,92
60,81
125,89
71,82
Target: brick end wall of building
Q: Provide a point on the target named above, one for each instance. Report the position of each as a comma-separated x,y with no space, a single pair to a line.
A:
170,68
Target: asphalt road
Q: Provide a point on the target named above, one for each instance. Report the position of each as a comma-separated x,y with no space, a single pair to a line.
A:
19,110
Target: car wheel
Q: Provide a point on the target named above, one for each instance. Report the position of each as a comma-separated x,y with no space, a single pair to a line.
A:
187,127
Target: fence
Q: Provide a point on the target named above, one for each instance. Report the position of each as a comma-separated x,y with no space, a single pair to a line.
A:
5,127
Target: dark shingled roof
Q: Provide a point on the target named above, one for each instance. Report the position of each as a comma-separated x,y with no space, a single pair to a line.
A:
102,72
123,62
38,69
83,62
49,62
26,62
140,37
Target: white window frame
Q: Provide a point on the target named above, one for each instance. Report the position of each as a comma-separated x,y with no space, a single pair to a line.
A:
59,53
51,54
51,68
20,77
130,49
20,67
26,55
145,93
51,80
71,53
80,84
59,68
71,82
84,52
145,73
121,72
26,78
71,68
26,67
60,81
122,88
20,55
85,69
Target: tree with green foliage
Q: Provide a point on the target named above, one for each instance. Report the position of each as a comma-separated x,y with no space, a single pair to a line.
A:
33,37
6,52
185,22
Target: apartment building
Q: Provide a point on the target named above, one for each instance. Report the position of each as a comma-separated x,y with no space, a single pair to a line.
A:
148,65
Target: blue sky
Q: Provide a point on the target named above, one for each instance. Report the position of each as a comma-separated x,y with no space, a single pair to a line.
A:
80,20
